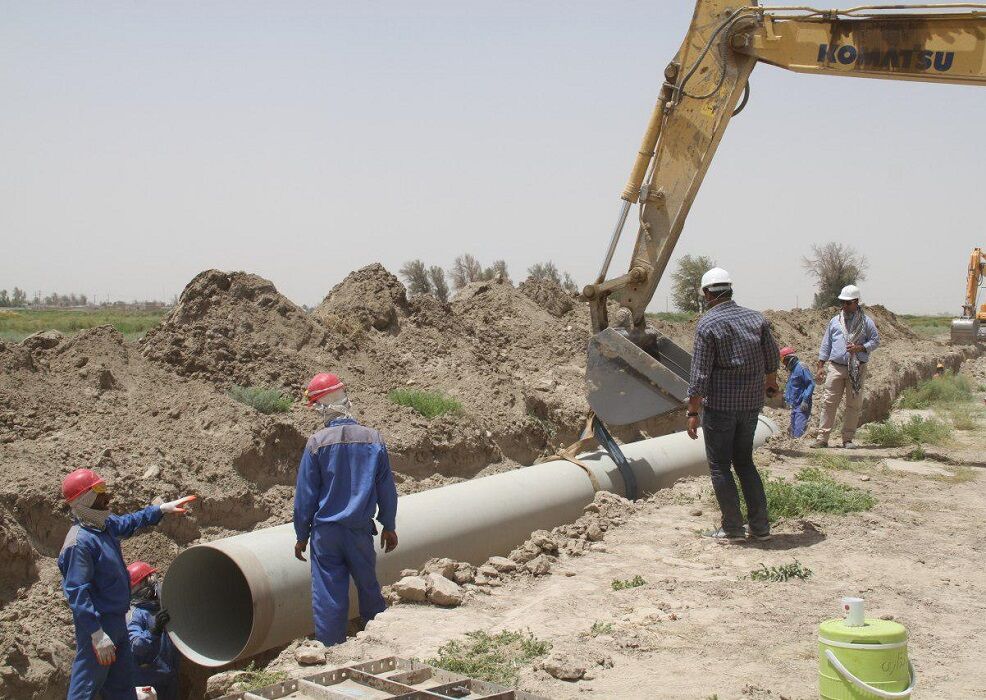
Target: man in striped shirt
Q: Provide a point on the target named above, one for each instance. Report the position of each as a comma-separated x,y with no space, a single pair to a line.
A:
734,364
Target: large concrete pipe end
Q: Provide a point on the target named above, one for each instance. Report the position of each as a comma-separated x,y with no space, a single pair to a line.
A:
236,597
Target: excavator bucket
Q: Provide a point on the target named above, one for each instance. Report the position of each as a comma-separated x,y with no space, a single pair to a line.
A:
632,378
965,331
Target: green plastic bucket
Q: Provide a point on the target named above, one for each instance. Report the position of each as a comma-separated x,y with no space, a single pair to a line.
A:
862,663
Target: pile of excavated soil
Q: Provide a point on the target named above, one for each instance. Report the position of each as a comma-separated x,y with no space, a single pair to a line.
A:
155,418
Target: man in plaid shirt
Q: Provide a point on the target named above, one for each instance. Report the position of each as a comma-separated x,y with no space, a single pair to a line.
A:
734,363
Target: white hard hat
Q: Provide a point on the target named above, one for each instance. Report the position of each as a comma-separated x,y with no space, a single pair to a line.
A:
849,293
717,279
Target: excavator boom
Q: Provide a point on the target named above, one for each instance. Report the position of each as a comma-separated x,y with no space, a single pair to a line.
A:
634,373
969,329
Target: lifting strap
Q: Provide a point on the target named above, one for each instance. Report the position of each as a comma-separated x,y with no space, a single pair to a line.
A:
595,431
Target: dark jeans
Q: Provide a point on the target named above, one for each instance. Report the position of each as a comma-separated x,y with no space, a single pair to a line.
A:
729,441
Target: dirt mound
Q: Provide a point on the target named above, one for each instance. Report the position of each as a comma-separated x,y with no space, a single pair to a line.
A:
549,295
234,328
370,296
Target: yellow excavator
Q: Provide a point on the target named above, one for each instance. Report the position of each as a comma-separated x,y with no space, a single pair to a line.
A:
633,372
971,328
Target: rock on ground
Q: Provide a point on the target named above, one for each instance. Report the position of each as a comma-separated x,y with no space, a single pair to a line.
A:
411,588
442,591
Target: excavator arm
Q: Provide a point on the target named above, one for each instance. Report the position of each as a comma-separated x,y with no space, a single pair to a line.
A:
634,373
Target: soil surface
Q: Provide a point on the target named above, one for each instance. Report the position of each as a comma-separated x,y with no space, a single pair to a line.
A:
154,418
700,628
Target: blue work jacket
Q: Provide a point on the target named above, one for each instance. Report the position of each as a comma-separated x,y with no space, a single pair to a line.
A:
94,575
344,478
154,654
834,342
800,386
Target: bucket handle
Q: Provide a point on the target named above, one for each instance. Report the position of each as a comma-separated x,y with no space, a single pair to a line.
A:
862,685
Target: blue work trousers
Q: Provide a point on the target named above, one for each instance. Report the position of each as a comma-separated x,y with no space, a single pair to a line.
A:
799,419
338,552
729,442
114,682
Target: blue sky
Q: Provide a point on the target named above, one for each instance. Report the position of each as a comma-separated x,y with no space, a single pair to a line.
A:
144,142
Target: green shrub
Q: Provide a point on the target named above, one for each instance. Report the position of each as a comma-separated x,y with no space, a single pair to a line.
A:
965,416
262,399
916,431
917,454
634,582
779,574
496,658
428,403
813,491
947,389
599,627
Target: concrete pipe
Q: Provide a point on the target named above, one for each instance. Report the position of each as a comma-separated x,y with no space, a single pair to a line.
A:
239,596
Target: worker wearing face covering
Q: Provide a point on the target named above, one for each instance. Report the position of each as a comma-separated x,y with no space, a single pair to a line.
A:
344,480
155,656
97,586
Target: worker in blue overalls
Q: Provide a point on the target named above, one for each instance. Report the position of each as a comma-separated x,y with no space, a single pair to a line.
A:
797,392
97,586
155,656
344,479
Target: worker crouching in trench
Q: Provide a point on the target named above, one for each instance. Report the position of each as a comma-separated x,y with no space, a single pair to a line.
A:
344,479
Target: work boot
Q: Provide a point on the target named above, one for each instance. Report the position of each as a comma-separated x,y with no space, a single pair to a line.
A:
723,537
849,444
819,443
760,537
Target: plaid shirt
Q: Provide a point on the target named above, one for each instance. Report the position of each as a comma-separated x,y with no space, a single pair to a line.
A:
734,350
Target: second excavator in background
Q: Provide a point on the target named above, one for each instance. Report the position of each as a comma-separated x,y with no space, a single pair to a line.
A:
633,372
971,328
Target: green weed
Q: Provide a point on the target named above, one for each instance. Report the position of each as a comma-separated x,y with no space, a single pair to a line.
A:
964,416
916,431
599,627
260,398
779,574
917,454
635,582
948,389
813,491
428,403
496,658
253,678
840,463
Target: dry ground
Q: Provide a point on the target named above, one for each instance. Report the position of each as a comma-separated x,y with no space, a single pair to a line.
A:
699,629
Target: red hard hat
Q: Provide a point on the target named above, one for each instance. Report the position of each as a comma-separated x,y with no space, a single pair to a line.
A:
321,384
138,571
787,350
79,482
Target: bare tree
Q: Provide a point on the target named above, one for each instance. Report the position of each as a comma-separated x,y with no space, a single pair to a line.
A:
569,285
464,270
544,271
686,282
833,265
439,287
415,276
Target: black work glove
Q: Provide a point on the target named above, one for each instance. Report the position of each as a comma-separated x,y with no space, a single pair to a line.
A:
160,620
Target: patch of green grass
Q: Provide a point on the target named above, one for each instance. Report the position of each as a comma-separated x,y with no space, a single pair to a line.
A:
917,454
496,658
262,399
813,491
918,430
428,403
948,389
599,627
17,325
635,582
841,463
253,678
928,326
782,573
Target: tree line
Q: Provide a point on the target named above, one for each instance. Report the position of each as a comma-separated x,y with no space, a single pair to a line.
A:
18,298
833,265
433,279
